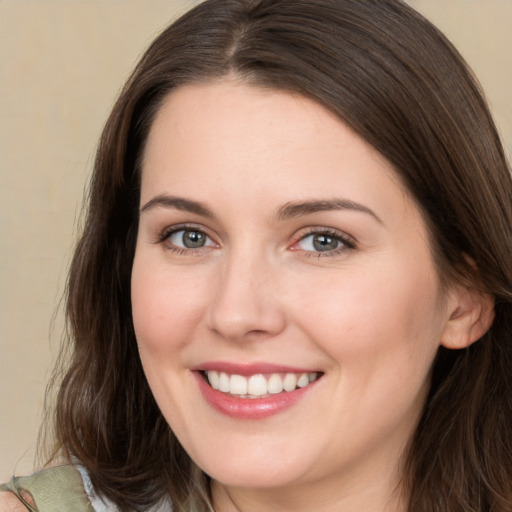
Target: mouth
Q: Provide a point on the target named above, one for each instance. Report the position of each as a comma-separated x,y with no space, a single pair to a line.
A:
258,385
254,391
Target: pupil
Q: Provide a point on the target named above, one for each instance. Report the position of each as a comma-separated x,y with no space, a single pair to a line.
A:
325,243
193,239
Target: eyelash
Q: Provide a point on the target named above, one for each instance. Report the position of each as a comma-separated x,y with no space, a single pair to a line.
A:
164,236
346,241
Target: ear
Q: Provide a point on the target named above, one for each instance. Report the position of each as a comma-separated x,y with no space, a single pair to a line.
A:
471,313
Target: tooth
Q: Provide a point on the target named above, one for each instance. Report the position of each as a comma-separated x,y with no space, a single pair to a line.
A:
213,379
275,384
224,382
303,380
238,385
290,382
257,385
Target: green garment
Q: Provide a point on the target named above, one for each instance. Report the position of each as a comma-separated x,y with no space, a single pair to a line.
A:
57,489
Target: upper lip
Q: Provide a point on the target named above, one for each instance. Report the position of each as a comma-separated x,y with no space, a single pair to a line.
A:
248,369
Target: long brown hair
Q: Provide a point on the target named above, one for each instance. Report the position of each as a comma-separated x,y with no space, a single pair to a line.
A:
397,81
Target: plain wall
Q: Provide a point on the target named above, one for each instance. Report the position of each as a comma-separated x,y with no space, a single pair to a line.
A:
62,63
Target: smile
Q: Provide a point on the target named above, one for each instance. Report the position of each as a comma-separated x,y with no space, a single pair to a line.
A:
258,385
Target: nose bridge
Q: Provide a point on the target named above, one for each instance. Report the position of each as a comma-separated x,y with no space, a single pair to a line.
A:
245,302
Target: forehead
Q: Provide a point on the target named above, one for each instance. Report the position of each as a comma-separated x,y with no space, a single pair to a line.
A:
251,131
245,152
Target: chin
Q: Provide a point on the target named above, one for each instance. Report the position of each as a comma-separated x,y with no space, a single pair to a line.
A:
255,479
242,472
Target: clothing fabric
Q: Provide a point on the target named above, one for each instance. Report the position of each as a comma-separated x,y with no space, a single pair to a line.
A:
57,489
65,488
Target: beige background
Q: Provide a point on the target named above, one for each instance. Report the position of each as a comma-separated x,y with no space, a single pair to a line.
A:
62,63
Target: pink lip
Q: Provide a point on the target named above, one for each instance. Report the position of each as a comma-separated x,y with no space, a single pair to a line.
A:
249,408
249,369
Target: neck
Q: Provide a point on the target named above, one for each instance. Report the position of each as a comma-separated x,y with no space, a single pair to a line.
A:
372,495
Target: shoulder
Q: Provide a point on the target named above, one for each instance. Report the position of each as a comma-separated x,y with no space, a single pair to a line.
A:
10,503
56,488
60,488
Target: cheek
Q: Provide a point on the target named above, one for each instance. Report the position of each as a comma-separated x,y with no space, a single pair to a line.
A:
382,335
166,310
166,305
381,320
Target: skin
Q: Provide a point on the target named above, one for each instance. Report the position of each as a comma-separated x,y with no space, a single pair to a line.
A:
10,503
370,314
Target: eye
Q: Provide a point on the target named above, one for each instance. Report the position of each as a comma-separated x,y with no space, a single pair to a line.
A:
319,242
189,239
324,241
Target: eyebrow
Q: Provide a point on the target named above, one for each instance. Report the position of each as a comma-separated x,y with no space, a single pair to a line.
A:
178,203
288,211
297,209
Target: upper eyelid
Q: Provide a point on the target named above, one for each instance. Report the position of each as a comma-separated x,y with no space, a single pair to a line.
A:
348,242
186,226
312,230
299,234
166,232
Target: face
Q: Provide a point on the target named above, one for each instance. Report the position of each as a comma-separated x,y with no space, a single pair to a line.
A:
285,301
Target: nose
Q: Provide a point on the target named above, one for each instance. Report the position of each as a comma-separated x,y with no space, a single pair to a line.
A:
246,303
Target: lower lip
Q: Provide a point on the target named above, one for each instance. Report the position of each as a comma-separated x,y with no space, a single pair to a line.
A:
250,408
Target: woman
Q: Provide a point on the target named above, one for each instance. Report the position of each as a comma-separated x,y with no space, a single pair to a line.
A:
293,288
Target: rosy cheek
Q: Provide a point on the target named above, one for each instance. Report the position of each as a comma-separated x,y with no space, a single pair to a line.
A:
149,317
166,309
339,308
364,312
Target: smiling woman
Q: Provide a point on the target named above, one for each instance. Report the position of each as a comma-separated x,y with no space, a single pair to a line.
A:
293,288
222,293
